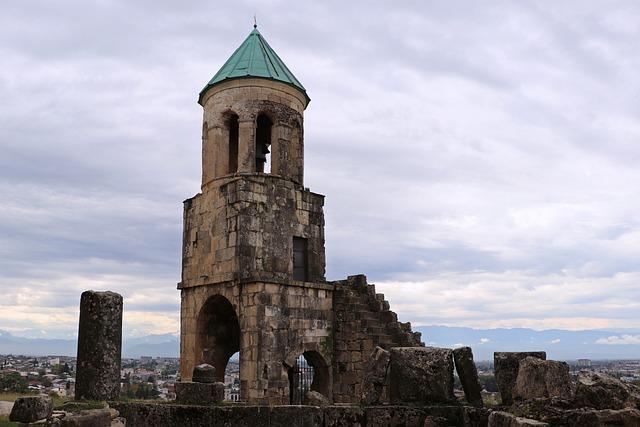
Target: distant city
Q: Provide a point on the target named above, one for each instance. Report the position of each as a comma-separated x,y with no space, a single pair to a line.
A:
154,378
142,378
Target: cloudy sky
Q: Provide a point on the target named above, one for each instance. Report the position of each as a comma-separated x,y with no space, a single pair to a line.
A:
480,159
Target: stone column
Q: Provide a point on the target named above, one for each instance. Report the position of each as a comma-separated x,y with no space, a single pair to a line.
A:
246,145
99,346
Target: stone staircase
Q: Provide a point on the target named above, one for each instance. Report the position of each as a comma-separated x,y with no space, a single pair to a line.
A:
363,320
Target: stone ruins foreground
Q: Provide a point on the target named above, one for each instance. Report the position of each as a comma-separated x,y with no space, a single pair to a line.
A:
312,352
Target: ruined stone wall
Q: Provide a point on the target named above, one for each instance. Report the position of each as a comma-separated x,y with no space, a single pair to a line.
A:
362,321
243,230
140,414
278,323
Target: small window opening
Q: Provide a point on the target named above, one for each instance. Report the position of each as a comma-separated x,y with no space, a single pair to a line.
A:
300,265
263,142
232,124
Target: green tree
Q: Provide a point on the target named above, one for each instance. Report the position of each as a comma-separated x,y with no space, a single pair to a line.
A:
488,382
13,381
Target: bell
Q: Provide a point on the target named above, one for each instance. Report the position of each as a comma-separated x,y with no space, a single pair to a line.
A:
262,152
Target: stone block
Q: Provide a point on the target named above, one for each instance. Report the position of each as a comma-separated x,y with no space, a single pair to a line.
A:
288,416
506,366
99,346
199,393
375,377
602,391
231,416
313,398
421,375
475,416
204,373
344,416
88,418
468,374
539,378
31,408
505,419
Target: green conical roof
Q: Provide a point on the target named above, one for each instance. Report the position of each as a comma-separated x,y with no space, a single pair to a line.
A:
254,58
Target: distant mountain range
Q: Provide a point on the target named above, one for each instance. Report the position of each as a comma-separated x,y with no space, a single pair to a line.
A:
165,345
559,344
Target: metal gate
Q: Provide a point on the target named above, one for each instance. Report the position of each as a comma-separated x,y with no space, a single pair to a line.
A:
300,379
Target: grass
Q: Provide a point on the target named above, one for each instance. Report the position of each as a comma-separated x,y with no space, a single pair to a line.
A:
4,421
8,396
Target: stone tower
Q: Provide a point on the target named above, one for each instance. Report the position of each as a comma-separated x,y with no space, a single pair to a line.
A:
253,259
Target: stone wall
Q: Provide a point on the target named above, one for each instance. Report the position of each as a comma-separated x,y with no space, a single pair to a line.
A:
161,415
243,230
277,323
362,320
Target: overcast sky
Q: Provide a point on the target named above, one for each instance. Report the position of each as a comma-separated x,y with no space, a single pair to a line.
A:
479,159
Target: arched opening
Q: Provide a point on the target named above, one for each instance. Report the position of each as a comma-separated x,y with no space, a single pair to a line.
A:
233,129
309,372
232,379
263,142
218,334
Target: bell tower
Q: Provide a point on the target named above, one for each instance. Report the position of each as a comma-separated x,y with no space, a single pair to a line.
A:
253,259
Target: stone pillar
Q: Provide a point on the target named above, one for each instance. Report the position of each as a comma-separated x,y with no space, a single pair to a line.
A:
99,346
246,146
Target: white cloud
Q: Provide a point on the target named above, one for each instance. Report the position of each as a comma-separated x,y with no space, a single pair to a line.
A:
484,163
484,341
620,340
555,341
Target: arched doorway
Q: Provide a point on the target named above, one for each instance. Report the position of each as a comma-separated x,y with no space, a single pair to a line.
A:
309,372
218,334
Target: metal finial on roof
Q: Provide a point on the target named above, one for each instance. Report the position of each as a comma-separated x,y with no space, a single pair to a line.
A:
255,21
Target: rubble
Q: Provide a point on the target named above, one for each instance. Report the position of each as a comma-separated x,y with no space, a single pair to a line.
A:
421,375
539,378
375,377
31,408
468,374
506,366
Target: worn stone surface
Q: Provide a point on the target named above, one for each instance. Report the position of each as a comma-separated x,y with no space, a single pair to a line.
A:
506,366
31,408
566,413
505,419
602,391
287,416
431,421
539,378
88,418
375,377
475,416
468,374
421,375
363,320
165,415
199,393
313,398
204,373
344,416
99,346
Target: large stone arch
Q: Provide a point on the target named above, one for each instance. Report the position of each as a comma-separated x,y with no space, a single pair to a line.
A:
217,333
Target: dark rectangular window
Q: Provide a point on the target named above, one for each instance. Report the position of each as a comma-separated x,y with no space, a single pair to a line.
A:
300,266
